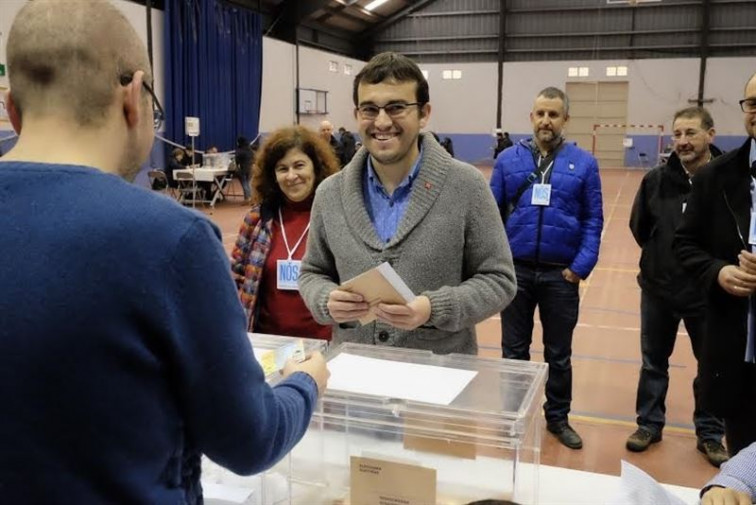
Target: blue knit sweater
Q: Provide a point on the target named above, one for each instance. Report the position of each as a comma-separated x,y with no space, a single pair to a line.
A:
123,352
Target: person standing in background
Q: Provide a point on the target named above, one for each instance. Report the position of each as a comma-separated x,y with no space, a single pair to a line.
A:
348,147
326,133
549,195
265,262
502,142
714,243
244,158
669,294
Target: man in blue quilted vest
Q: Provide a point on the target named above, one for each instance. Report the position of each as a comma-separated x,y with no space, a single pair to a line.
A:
549,194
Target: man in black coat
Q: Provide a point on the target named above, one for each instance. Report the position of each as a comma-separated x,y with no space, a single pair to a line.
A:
502,142
244,157
347,142
668,293
714,243
326,133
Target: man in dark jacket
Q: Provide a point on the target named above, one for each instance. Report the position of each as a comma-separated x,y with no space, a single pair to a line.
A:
554,235
347,144
326,133
668,293
244,158
502,142
714,243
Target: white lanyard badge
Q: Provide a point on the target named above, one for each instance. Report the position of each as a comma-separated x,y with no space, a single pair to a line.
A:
541,194
288,269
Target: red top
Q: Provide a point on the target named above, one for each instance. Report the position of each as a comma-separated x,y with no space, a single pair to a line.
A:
283,312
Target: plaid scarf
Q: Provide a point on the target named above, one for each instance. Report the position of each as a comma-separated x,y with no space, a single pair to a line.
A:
248,258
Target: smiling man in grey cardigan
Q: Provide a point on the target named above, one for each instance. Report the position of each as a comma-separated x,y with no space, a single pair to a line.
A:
404,200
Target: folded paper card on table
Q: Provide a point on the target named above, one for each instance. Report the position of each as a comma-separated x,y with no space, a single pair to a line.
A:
379,285
639,488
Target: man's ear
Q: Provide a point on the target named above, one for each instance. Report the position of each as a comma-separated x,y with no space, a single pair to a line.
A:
13,113
425,113
132,99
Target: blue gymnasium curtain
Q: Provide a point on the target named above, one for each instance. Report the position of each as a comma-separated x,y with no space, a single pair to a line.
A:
213,70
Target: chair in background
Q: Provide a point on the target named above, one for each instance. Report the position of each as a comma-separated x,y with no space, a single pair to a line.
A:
231,188
643,159
159,182
187,187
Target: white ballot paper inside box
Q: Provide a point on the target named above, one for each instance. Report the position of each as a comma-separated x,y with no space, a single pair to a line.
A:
396,379
639,488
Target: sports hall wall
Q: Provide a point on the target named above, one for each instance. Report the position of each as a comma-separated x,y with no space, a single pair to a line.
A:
464,109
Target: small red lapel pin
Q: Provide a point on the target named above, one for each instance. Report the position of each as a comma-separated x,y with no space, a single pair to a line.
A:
428,185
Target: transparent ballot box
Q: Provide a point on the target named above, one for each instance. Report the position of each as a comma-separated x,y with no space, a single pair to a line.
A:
223,487
409,427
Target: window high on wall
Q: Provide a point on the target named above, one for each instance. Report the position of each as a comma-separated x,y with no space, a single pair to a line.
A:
618,71
578,72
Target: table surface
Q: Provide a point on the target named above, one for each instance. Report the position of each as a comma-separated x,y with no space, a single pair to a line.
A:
563,486
203,174
557,486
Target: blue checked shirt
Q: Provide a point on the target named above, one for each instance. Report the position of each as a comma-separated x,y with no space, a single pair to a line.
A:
386,211
739,473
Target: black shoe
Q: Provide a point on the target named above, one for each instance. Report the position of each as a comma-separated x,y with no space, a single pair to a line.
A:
566,435
714,451
641,439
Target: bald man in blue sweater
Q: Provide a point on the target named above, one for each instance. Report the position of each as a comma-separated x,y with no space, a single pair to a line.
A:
123,352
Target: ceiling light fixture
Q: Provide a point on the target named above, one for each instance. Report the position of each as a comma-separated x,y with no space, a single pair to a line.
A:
375,4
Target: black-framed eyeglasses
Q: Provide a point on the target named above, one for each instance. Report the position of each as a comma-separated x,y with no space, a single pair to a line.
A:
157,109
748,105
394,110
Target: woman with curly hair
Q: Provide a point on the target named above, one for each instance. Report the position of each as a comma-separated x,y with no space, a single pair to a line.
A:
265,261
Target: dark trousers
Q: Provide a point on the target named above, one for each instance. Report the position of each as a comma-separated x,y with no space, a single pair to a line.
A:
660,321
740,428
244,178
558,302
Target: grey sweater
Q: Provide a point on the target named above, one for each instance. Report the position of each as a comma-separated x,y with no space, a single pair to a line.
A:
450,246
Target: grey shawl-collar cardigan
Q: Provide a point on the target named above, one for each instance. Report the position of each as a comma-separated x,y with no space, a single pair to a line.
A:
450,246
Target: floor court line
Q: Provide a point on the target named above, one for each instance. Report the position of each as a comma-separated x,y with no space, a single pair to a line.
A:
677,428
586,357
607,222
617,270
633,329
